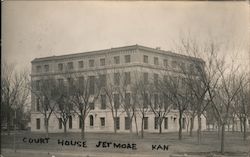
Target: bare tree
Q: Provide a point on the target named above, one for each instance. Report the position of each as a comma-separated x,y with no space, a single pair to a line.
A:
44,90
84,92
141,98
14,94
64,107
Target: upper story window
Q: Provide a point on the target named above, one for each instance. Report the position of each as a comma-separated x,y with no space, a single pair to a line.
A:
60,67
102,61
156,79
117,59
127,78
145,59
91,63
182,66
80,64
70,65
103,80
38,68
46,68
127,58
117,79
156,61
165,62
174,64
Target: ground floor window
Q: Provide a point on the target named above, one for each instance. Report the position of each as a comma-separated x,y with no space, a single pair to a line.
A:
156,122
91,120
70,122
38,123
166,123
102,119
127,124
60,123
117,123
183,123
145,121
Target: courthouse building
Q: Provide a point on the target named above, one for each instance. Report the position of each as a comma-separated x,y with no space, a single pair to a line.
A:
129,62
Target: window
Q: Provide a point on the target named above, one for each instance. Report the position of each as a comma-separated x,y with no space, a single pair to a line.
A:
91,84
70,65
117,123
127,100
145,59
156,76
145,78
116,101
37,104
117,79
127,124
156,101
127,78
70,84
92,106
156,122
182,67
60,82
102,119
60,123
145,121
183,123
145,101
38,69
103,80
102,61
117,59
91,121
80,64
60,67
38,123
80,122
156,61
81,82
103,102
91,63
37,84
70,122
165,62
46,68
127,58
166,123
174,64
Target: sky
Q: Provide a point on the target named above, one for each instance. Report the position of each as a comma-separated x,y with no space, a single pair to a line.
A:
33,29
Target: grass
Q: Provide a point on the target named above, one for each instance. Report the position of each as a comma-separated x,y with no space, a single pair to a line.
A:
234,144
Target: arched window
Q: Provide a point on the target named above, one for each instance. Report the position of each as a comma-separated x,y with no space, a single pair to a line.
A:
91,120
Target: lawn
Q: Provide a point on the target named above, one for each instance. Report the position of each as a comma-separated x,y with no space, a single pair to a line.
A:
131,144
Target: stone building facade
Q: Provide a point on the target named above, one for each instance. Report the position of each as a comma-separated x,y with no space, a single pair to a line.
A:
131,63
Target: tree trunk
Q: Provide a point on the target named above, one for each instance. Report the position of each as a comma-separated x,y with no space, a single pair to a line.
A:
241,129
83,128
46,124
8,123
199,129
160,127
180,126
114,125
222,138
245,128
130,125
191,127
136,127
142,127
65,129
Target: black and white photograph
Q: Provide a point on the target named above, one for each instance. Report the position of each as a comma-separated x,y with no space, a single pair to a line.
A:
125,79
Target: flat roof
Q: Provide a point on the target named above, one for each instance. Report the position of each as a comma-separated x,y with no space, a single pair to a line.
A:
130,47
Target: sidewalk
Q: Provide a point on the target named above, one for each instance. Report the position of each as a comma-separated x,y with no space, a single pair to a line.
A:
44,153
